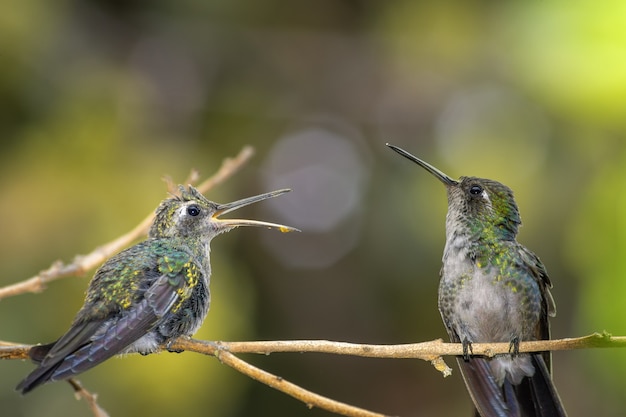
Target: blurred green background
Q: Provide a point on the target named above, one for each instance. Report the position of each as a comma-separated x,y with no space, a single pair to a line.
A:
100,99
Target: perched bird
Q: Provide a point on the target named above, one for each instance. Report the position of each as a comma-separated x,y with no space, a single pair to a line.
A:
493,289
148,294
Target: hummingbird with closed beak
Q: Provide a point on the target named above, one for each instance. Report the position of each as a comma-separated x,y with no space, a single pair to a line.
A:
149,294
493,289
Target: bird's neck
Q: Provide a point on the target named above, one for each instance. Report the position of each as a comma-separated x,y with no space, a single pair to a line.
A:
200,249
474,240
473,230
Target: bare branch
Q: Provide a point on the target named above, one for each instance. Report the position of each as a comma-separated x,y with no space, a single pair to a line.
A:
424,350
431,351
84,263
427,351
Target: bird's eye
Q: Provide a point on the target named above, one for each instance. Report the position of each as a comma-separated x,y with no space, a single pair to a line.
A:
193,210
476,189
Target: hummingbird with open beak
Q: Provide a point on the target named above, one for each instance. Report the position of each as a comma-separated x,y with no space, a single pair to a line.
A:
149,294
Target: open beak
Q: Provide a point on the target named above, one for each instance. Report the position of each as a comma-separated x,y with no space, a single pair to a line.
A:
428,167
228,207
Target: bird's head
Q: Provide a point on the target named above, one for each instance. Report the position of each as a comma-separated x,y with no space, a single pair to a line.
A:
192,215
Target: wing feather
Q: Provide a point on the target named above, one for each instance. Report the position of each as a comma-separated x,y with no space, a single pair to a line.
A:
94,338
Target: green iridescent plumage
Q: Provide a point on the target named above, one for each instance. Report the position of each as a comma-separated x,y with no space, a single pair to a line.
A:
148,294
493,289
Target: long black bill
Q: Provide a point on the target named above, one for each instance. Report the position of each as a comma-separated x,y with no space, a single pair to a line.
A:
428,167
228,207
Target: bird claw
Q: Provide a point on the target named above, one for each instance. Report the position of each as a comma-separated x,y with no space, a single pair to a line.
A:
467,350
168,347
514,346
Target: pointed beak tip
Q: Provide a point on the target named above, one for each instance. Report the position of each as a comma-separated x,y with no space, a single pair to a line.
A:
392,147
279,192
288,229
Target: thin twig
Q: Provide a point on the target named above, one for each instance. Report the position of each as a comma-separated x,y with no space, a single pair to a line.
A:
309,398
91,399
84,263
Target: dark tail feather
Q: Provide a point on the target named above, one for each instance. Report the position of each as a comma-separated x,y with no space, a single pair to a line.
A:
57,360
512,400
537,395
40,375
60,368
484,390
47,370
533,397
37,377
